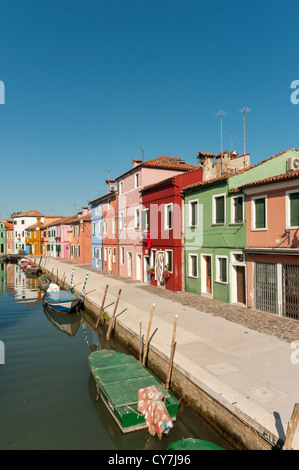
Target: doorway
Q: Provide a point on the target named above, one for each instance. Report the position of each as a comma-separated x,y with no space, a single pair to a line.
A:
206,274
129,255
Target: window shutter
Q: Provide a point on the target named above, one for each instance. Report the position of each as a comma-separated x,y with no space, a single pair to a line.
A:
294,205
219,210
260,214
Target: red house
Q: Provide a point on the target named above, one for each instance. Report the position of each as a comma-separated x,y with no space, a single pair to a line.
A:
163,232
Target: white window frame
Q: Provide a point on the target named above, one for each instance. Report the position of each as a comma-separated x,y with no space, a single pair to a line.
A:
105,254
190,264
218,258
114,255
137,180
167,259
190,203
232,221
166,218
215,196
143,212
253,221
288,209
120,187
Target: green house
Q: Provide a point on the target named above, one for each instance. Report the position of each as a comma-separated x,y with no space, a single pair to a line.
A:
215,229
2,237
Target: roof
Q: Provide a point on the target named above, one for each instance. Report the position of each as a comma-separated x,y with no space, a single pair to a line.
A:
102,198
273,179
85,218
225,176
29,214
159,183
64,221
164,162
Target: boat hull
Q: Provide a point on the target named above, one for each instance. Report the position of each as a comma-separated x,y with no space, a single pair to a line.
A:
118,378
56,302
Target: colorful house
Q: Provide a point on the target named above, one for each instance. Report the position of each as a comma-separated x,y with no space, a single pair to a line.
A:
5,234
130,234
96,233
58,237
81,248
35,235
9,237
215,229
162,223
21,223
110,229
272,248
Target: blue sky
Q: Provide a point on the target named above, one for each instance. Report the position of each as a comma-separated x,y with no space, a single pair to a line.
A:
87,83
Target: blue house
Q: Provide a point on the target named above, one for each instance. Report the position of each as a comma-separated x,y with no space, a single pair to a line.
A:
96,233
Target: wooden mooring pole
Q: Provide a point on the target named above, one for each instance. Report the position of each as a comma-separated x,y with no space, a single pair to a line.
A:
172,352
148,333
102,306
113,316
292,426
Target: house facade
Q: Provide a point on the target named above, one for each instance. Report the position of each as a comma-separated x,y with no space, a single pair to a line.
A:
96,233
162,224
110,229
130,234
21,222
272,247
216,237
81,245
9,237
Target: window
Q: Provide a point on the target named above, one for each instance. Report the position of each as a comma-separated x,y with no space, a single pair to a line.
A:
168,216
137,218
78,229
78,250
168,260
136,180
93,228
23,221
122,255
219,209
120,187
237,210
97,209
94,252
145,220
259,216
193,271
153,260
292,209
114,255
101,253
221,269
109,203
105,226
193,213
105,254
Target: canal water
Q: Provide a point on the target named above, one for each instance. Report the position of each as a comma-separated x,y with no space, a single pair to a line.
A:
47,393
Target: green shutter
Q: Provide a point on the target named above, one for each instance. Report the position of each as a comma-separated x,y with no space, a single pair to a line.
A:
294,205
238,205
223,270
260,213
219,210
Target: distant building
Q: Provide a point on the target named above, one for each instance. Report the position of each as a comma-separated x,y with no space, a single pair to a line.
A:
20,224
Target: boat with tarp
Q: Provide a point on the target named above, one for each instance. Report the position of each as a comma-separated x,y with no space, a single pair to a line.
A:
193,444
60,300
123,382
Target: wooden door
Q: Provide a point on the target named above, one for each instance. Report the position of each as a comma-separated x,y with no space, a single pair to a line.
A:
208,275
241,295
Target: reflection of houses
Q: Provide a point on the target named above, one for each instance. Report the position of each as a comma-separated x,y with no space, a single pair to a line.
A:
130,233
81,246
21,222
161,220
22,286
273,244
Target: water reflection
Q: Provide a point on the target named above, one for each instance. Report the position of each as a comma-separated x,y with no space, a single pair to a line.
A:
42,360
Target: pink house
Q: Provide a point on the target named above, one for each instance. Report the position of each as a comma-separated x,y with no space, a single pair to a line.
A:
81,243
272,250
130,215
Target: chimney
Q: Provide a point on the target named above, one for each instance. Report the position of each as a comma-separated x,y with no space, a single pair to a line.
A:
222,163
136,162
205,161
111,185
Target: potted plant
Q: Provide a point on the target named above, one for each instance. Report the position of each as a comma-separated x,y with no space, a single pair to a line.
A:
166,273
151,271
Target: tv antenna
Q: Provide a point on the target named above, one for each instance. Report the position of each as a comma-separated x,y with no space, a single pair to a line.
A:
108,171
232,137
244,110
141,152
221,114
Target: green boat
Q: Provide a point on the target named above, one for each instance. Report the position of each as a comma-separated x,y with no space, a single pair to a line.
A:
118,378
193,444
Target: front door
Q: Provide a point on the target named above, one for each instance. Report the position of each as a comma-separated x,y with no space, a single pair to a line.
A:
110,260
208,274
138,267
129,254
241,294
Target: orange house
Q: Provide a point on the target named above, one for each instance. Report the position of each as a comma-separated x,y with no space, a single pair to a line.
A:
81,238
272,249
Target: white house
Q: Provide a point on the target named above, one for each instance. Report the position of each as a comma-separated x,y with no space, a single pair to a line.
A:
20,223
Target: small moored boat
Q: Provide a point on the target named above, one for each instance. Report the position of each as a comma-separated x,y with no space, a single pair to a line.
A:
193,444
119,377
60,300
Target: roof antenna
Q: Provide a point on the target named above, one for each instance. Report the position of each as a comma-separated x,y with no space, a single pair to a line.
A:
244,110
221,113
141,152
232,137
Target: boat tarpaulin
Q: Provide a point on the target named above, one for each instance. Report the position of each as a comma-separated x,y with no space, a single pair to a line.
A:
152,407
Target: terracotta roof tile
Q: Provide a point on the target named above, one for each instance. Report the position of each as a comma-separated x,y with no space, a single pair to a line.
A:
29,214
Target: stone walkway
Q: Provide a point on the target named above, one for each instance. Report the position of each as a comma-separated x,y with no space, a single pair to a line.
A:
286,329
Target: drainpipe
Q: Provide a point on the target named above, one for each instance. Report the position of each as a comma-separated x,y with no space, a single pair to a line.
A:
183,241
